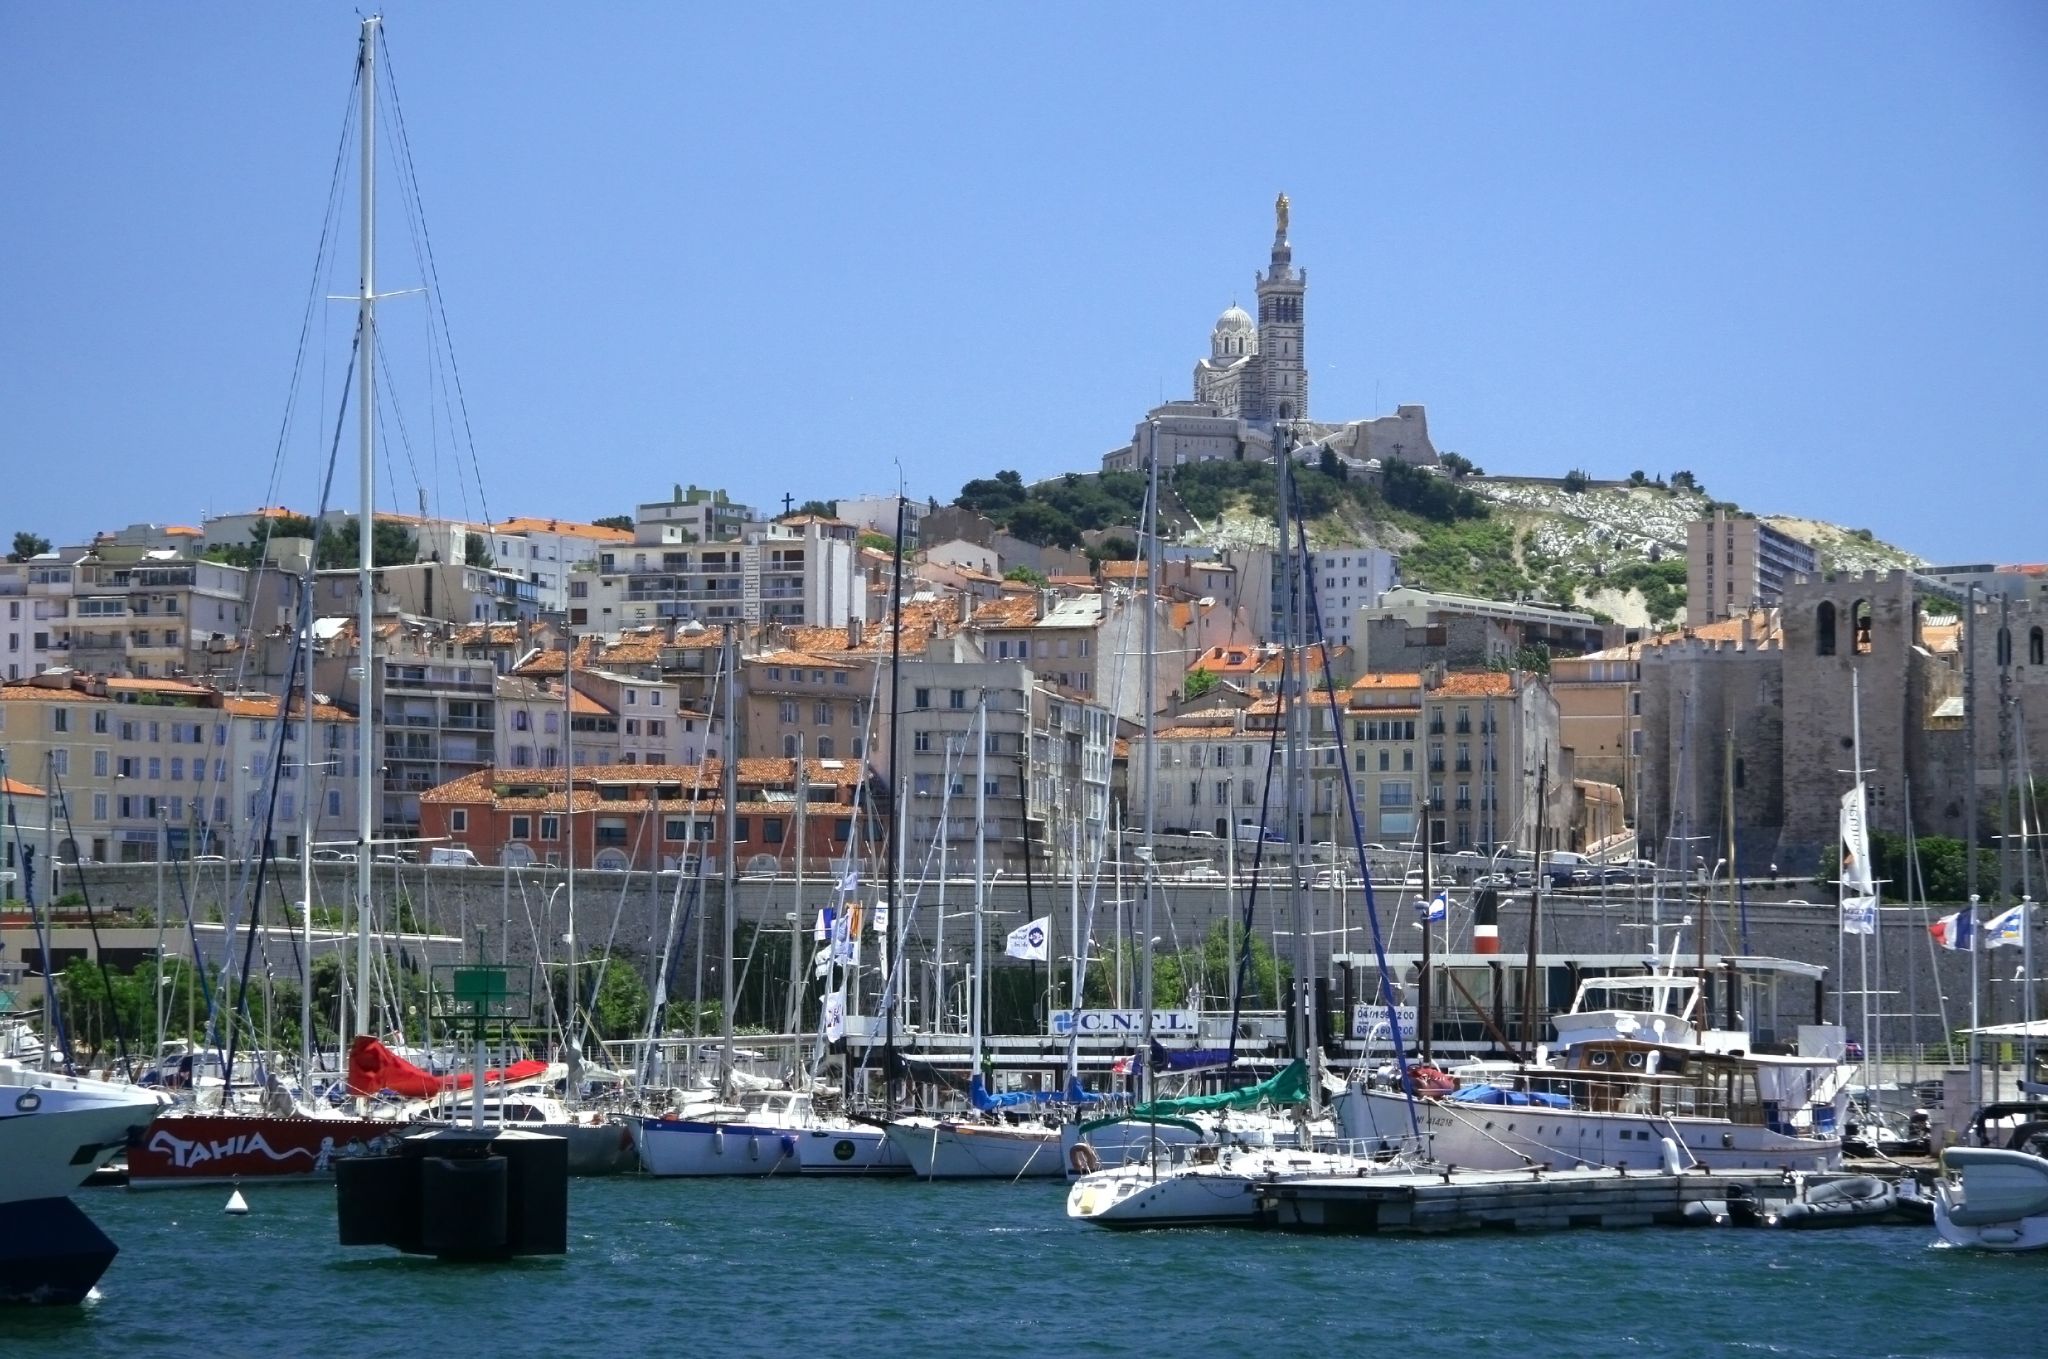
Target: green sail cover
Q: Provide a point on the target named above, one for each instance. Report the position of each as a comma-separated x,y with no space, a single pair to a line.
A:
1289,1086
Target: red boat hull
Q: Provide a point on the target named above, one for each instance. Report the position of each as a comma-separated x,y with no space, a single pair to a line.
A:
196,1149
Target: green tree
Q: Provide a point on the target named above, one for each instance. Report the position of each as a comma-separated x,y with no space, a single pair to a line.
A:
391,544
1039,523
620,1006
824,509
1198,683
1027,575
1460,466
1206,967
880,542
993,496
1577,480
28,545
622,522
476,552
1115,548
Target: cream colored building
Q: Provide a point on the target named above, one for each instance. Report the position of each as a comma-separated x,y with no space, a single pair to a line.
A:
1734,564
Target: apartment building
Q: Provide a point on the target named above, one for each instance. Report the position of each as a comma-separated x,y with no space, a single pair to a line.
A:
794,702
143,767
119,610
1045,762
793,574
1736,563
612,719
652,817
547,551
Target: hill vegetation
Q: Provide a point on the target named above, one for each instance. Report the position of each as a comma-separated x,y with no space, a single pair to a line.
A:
1615,548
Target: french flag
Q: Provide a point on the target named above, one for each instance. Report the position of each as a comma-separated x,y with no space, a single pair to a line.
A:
1954,931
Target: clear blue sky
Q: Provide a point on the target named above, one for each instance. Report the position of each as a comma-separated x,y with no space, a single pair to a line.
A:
1797,249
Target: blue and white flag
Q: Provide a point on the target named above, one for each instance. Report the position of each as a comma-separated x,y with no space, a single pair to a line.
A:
2007,928
823,929
1437,907
881,917
849,883
1032,939
1859,886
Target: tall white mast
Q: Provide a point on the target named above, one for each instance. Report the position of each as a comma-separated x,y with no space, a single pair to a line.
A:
370,759
573,1037
980,870
1146,1081
729,877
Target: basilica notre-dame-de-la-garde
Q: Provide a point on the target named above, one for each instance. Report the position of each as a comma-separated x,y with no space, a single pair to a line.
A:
1256,370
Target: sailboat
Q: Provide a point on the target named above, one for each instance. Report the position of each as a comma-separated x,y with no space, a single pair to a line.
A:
750,1135
997,1143
301,1140
1201,1174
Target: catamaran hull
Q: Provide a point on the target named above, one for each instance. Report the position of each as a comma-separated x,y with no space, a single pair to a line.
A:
848,1151
974,1151
684,1147
1510,1137
188,1150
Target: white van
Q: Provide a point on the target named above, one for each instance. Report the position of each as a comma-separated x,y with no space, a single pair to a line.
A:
443,855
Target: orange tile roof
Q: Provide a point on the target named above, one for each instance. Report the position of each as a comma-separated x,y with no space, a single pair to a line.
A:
184,530
796,659
488,634
534,524
158,686
1010,611
580,702
1123,570
266,705
1387,681
1229,660
1187,732
1475,684
1941,638
14,787
21,691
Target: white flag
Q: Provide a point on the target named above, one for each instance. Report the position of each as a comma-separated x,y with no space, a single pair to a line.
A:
881,917
849,882
821,962
835,1016
1859,889
1032,940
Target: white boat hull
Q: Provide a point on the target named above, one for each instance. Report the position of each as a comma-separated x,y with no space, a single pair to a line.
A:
944,1150
1992,1199
1510,1137
1222,1191
684,1147
56,1130
856,1149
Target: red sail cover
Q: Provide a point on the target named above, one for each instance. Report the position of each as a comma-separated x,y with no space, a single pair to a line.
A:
373,1067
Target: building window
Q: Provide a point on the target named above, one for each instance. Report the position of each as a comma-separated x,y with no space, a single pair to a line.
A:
921,698
921,742
1824,629
2037,647
551,828
956,698
458,820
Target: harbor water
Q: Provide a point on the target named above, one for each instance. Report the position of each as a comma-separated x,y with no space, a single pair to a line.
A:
895,1268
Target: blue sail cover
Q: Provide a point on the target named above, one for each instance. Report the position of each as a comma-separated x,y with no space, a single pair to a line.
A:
1164,1059
977,1091
1493,1094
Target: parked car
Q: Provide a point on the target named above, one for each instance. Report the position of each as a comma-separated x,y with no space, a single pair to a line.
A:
1252,830
1493,880
1202,835
445,854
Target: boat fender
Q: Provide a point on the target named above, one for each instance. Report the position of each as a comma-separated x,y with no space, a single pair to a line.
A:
1672,1163
788,1144
1083,1160
753,1148
718,1141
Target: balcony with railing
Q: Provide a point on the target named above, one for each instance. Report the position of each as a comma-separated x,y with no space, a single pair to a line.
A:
1464,764
1436,726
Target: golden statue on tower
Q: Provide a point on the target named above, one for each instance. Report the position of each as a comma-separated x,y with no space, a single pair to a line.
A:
1280,216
